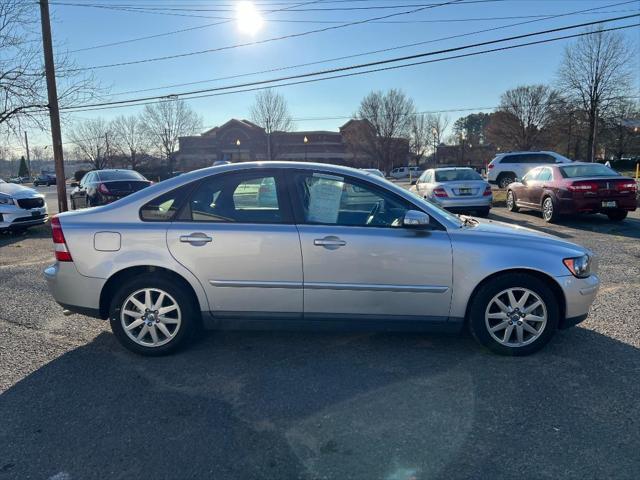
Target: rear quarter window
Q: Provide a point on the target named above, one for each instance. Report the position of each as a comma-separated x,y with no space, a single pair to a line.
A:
165,207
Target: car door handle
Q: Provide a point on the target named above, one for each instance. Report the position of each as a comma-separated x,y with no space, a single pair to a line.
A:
329,242
197,238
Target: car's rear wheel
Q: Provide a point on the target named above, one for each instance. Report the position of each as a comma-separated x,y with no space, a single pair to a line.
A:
152,315
617,215
483,212
506,180
549,211
514,314
511,202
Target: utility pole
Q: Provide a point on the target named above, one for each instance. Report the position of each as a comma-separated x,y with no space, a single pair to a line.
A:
54,112
26,142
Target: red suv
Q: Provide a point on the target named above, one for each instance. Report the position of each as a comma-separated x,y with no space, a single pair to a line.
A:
572,188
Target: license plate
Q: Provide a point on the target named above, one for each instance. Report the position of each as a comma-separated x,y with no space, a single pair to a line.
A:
465,191
35,213
611,204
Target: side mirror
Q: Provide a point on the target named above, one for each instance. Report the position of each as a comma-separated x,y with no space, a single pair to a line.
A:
74,184
415,219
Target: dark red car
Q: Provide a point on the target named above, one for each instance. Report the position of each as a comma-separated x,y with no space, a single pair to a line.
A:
572,188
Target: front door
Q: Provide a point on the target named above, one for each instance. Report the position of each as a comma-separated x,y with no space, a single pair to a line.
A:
236,235
358,259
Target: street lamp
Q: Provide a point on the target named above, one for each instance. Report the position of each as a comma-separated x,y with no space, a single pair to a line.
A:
238,148
434,131
306,141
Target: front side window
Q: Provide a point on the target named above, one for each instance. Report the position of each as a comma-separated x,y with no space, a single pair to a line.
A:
336,200
242,198
532,175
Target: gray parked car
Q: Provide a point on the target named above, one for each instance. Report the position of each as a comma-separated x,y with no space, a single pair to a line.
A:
458,189
335,245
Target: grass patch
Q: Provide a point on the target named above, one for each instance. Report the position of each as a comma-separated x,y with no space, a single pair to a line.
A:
499,198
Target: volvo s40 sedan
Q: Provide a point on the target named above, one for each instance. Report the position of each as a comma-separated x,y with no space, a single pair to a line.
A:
335,246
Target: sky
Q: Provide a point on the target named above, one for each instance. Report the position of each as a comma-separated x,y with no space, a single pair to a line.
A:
456,84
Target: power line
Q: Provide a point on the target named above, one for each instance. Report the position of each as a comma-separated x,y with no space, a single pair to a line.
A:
371,52
272,39
81,108
363,65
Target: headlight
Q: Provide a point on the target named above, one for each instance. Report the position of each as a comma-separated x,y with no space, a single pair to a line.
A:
579,266
6,201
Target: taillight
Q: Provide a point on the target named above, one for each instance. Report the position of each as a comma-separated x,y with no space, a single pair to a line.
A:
626,187
487,191
59,243
103,189
440,192
583,187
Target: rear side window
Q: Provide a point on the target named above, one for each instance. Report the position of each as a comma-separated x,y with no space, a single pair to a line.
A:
165,207
545,175
242,198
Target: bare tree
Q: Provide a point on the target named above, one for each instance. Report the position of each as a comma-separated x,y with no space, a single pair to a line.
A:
165,122
389,117
23,93
523,115
438,124
595,71
130,138
91,140
270,111
420,137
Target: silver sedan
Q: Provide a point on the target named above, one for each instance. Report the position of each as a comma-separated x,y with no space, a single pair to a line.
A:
458,189
327,245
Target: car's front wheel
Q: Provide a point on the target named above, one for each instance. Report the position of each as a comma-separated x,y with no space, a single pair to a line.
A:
152,315
514,314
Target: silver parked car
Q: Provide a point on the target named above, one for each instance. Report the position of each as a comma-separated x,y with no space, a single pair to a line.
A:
458,189
21,207
335,245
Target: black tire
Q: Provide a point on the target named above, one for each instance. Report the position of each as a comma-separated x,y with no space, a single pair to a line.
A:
188,309
511,202
506,179
484,295
617,215
549,210
483,212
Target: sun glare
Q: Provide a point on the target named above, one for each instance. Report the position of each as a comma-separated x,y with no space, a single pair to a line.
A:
248,18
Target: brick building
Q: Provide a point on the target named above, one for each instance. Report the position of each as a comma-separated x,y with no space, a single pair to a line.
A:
242,141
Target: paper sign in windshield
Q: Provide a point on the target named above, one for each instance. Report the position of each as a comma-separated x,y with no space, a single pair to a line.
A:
324,200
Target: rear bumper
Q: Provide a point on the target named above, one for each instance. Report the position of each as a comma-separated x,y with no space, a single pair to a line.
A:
578,205
72,290
463,203
579,294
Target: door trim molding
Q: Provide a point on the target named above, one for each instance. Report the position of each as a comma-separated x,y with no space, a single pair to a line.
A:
376,287
255,284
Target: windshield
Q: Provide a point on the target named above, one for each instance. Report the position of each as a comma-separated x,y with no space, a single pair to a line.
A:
594,170
457,175
119,175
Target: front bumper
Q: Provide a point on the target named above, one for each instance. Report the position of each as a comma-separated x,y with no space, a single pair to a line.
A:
72,290
12,216
579,294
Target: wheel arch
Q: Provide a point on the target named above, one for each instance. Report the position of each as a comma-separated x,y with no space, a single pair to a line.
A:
547,279
111,286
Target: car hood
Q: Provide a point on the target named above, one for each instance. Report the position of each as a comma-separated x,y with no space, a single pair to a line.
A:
524,235
17,191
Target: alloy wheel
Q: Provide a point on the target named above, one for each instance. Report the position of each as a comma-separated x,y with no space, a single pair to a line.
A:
510,201
151,317
547,209
516,317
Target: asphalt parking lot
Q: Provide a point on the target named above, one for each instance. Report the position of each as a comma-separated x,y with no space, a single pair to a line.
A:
309,405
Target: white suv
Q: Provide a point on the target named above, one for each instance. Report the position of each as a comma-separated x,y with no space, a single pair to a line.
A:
506,167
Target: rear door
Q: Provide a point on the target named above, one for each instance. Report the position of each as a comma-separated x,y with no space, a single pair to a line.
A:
240,241
359,261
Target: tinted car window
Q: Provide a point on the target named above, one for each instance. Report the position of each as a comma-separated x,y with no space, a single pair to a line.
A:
337,200
165,207
528,158
458,174
594,170
107,176
545,175
244,198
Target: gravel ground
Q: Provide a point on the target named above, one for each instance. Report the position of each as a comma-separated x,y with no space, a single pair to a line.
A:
280,405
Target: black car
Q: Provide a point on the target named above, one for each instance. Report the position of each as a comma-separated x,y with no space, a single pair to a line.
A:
46,180
100,187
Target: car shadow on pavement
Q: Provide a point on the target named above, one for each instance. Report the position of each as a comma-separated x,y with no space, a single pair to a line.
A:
280,405
630,227
9,237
